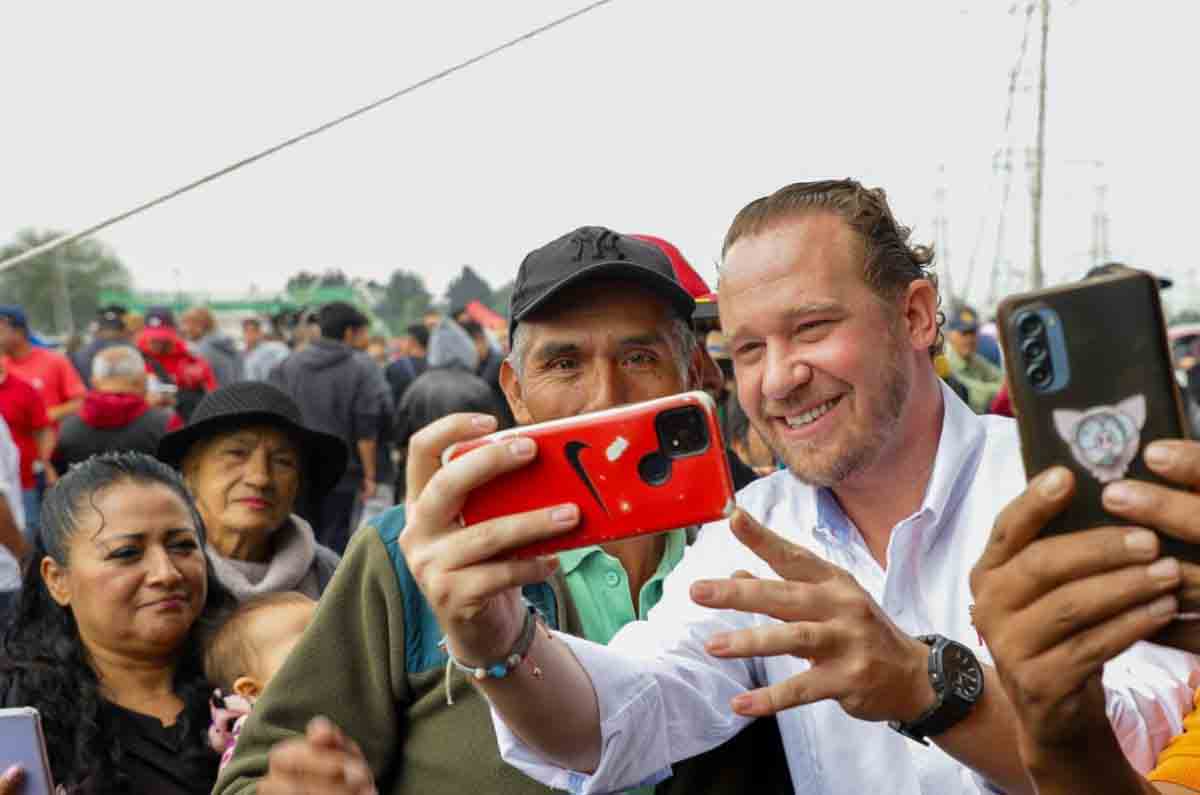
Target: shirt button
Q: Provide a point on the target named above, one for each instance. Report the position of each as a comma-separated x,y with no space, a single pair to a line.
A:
612,579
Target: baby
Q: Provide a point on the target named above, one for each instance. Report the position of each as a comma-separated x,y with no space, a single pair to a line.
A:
242,655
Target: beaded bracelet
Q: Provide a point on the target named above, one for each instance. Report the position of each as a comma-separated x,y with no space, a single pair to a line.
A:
501,669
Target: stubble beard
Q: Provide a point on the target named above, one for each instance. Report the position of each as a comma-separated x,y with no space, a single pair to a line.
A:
816,465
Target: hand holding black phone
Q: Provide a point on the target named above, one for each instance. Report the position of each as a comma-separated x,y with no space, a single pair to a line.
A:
1092,384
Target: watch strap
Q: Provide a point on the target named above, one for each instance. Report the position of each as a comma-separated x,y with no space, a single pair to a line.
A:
948,709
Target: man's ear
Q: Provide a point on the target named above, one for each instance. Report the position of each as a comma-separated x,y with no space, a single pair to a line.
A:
55,577
247,687
920,313
512,391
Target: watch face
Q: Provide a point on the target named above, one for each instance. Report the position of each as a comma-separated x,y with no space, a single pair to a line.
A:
963,674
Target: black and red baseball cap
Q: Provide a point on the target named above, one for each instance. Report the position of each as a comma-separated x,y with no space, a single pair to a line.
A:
593,252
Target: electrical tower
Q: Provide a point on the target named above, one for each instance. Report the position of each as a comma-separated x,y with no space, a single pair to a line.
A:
941,238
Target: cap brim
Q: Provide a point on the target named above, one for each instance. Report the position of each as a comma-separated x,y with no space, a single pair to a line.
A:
325,455
667,288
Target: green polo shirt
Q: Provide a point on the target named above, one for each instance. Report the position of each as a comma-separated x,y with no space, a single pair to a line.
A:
599,586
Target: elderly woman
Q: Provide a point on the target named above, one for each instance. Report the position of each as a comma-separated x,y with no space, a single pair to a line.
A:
246,457
105,642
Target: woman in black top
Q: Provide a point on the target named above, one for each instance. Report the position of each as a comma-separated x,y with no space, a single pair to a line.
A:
105,643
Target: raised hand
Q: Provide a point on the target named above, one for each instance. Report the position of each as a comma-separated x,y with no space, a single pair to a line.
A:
475,596
859,657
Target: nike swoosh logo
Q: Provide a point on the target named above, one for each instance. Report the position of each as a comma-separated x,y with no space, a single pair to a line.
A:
572,450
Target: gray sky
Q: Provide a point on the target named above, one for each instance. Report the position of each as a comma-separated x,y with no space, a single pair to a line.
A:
659,116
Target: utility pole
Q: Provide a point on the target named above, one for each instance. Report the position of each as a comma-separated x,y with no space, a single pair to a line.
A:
1002,164
1036,276
1099,252
941,240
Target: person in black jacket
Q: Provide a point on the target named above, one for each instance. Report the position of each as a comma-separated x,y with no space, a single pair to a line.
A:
342,392
115,415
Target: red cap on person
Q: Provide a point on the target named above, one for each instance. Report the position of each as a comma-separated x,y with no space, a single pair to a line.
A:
706,299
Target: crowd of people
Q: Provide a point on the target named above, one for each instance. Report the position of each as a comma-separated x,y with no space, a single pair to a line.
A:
239,567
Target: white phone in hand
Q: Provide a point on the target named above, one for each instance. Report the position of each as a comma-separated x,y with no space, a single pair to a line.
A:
22,743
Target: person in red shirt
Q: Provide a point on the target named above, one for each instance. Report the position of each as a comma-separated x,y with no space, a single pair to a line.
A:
32,432
47,371
167,354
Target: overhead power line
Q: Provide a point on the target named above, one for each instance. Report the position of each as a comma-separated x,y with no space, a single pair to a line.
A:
63,240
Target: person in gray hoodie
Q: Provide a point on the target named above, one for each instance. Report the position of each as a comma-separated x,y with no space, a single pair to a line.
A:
340,391
200,328
451,346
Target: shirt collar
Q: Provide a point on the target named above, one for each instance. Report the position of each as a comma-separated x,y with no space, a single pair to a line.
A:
954,467
572,559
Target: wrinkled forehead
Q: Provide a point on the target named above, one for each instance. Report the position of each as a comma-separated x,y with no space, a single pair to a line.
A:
255,435
600,305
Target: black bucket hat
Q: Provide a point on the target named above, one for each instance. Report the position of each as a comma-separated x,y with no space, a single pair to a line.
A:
257,403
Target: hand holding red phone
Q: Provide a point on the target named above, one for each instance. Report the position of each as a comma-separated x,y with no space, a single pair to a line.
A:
473,589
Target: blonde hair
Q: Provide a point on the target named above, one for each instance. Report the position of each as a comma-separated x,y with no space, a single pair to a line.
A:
228,653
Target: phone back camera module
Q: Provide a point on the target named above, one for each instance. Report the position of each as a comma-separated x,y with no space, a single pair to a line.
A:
1041,349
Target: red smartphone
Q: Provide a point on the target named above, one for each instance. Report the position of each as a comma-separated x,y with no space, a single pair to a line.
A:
633,470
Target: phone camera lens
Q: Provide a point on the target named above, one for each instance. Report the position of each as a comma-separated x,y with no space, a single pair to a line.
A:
1033,349
1031,326
655,469
1039,375
682,432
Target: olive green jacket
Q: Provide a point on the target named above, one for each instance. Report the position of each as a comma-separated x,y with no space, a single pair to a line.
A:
370,663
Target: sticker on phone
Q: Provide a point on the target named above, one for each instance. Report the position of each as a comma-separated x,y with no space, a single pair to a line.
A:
1104,439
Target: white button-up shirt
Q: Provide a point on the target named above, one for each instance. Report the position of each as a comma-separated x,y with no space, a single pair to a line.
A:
662,698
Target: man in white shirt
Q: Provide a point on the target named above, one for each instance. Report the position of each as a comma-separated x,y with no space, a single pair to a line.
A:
12,520
858,613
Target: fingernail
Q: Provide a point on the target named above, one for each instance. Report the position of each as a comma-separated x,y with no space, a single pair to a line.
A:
1053,483
484,422
742,703
717,644
1164,606
703,590
549,563
1159,456
1141,541
564,514
522,447
11,774
1124,495
1165,569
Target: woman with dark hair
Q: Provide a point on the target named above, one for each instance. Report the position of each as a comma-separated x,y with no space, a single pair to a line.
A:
433,395
247,458
104,643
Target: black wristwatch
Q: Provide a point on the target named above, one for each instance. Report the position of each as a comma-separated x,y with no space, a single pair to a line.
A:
957,679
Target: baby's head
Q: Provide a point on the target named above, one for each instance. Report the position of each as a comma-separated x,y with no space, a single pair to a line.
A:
250,645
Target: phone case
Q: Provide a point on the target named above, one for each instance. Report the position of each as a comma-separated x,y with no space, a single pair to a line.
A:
22,743
608,463
1119,395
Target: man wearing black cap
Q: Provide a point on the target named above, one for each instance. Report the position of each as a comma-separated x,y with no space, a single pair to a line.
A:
835,597
981,378
110,331
598,319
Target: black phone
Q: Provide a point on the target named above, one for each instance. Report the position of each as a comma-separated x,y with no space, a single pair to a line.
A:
1092,383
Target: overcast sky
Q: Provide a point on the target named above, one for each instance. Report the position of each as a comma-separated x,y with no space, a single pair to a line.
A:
658,116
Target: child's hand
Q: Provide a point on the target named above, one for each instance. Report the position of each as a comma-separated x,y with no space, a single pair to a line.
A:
324,761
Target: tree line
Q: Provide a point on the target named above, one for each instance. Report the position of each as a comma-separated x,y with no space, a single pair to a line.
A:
60,290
